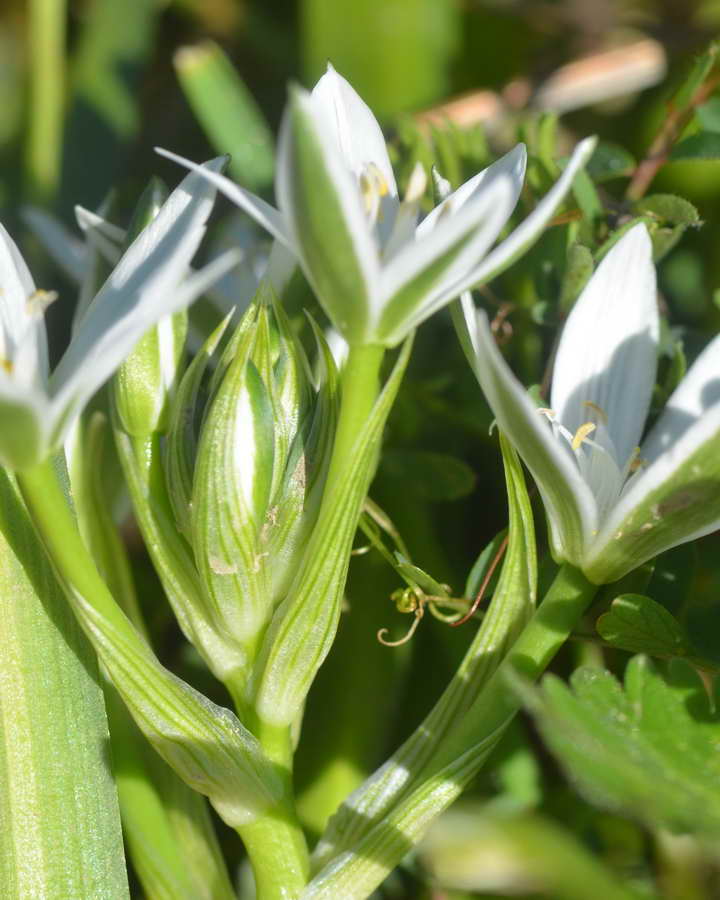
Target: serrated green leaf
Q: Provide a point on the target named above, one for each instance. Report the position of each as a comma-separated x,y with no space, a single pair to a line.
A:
705,145
435,476
661,729
669,208
640,625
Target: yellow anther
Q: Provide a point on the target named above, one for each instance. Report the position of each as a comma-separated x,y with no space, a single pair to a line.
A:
601,414
550,413
6,365
416,184
582,433
39,301
636,461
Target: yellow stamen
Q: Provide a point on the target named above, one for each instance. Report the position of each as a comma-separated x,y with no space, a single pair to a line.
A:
7,365
39,301
637,462
550,413
416,184
602,415
582,432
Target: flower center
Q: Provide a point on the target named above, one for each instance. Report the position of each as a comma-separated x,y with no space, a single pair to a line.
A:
596,456
373,187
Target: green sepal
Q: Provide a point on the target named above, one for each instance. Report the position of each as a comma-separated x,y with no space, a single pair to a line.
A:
327,214
204,743
182,436
304,625
172,555
680,507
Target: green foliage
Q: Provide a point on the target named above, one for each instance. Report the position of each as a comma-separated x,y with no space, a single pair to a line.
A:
641,625
648,748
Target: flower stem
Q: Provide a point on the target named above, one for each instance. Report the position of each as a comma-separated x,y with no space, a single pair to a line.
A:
360,387
560,611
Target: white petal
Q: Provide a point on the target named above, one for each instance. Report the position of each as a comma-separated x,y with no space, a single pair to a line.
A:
19,323
412,282
65,249
607,354
697,392
91,221
350,123
569,504
530,229
676,499
512,164
144,286
321,203
265,215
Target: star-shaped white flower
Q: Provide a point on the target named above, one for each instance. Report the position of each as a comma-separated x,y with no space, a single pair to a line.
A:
150,281
376,271
611,504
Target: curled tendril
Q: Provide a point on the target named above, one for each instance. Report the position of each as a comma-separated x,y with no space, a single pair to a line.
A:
419,612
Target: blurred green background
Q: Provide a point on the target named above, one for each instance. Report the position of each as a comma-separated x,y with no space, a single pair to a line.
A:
87,89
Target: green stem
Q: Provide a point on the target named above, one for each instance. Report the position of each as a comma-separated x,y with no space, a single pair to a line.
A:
360,388
560,611
47,96
54,521
278,853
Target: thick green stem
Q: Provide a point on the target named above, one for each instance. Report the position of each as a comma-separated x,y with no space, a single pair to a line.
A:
54,520
278,853
559,613
360,387
47,96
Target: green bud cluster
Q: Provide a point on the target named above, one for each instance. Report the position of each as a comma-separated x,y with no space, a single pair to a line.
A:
246,458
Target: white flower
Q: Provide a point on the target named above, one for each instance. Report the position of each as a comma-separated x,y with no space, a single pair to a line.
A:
37,407
611,505
375,270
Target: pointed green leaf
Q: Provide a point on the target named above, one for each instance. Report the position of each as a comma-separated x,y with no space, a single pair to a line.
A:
398,784
60,823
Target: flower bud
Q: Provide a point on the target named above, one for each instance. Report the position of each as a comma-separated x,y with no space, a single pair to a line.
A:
260,464
145,380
